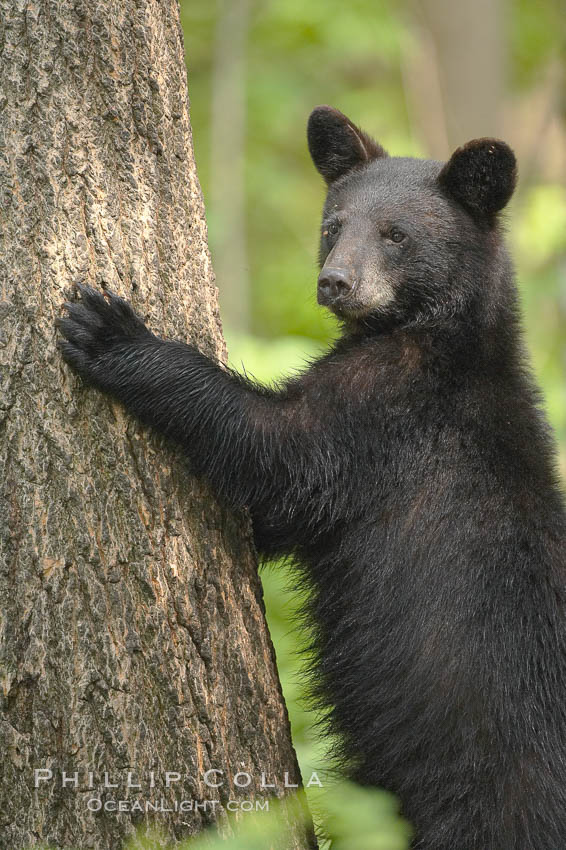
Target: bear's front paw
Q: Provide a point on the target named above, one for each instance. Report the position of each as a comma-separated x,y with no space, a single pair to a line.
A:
95,327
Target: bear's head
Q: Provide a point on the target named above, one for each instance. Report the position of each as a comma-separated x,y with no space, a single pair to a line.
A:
404,238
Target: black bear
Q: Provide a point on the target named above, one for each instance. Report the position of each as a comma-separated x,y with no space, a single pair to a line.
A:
411,474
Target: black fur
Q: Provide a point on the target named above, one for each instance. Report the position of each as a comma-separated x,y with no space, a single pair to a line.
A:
481,175
336,144
410,472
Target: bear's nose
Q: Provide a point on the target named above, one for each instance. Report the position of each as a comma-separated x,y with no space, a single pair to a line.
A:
333,284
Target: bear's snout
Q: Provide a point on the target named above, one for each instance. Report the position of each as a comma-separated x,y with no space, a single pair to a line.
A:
334,284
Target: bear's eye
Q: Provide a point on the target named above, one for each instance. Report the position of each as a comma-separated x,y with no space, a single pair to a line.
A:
396,235
331,229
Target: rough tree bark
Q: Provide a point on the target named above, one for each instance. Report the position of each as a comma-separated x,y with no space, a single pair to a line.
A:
132,627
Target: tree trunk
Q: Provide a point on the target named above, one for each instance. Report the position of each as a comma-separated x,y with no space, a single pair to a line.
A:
227,162
461,62
133,636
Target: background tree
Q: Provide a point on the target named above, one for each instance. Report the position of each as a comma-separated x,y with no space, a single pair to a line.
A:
227,171
132,626
463,48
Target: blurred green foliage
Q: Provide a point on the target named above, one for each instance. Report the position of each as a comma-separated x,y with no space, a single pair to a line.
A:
536,31
347,817
351,55
539,240
352,816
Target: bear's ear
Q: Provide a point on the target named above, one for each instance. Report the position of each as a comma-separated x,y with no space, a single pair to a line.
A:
481,176
336,145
